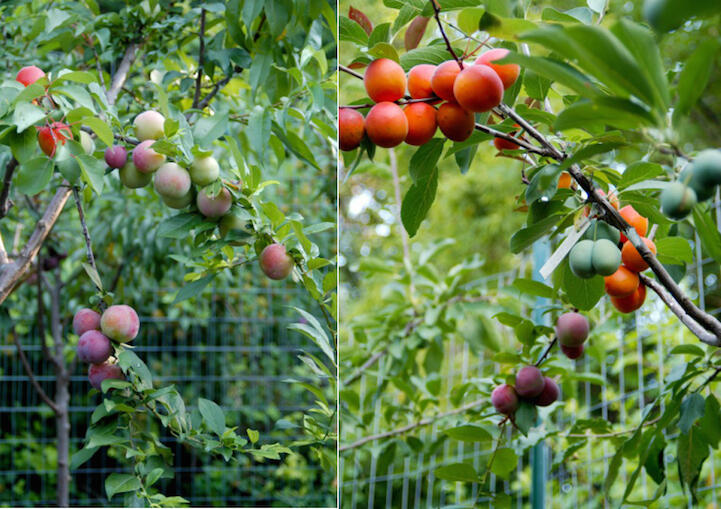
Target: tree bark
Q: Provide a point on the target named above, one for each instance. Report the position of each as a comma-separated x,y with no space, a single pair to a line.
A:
62,396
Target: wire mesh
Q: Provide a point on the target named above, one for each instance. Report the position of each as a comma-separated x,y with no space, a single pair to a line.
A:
633,374
239,355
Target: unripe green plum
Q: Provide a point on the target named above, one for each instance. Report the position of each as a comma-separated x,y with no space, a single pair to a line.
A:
145,159
677,200
580,259
204,171
149,125
572,329
94,347
87,143
231,222
505,399
172,181
529,382
275,262
84,320
120,323
549,394
97,373
132,178
602,230
708,166
178,203
606,257
696,181
214,207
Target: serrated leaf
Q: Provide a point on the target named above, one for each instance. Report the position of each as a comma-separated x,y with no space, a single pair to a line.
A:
212,415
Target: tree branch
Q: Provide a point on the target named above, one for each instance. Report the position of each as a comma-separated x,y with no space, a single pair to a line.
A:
201,59
86,233
422,422
350,71
49,402
5,203
546,351
11,273
122,73
437,15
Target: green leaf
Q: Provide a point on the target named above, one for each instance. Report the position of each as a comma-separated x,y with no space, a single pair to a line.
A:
459,472
707,232
384,50
34,175
526,417
209,129
425,159
212,415
102,129
691,452
253,435
544,184
504,28
153,476
26,115
674,250
436,54
180,226
504,462
81,456
418,200
687,350
695,75
93,275
525,237
352,31
76,76
556,71
602,111
535,288
692,409
582,293
638,172
93,171
132,364
121,483
193,288
295,144
468,433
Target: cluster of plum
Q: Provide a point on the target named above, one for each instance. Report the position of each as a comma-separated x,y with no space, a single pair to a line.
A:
467,89
530,386
172,182
606,251
119,323
696,183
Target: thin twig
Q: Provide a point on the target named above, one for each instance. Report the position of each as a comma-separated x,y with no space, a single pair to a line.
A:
38,388
709,379
5,202
437,15
86,233
350,71
611,435
409,427
201,60
399,102
546,351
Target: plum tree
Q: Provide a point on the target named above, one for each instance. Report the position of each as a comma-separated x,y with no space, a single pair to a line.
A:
443,79
384,80
549,394
454,122
386,124
172,181
120,323
97,373
84,320
677,200
214,206
351,128
621,283
275,262
632,258
508,73
572,329
116,156
149,125
505,399
478,88
606,257
94,347
204,171
132,178
29,75
419,81
50,136
421,123
529,382
145,159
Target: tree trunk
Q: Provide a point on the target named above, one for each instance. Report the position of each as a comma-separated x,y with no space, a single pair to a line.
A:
62,396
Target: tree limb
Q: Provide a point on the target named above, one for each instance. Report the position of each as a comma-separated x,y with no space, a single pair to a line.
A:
122,73
5,203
